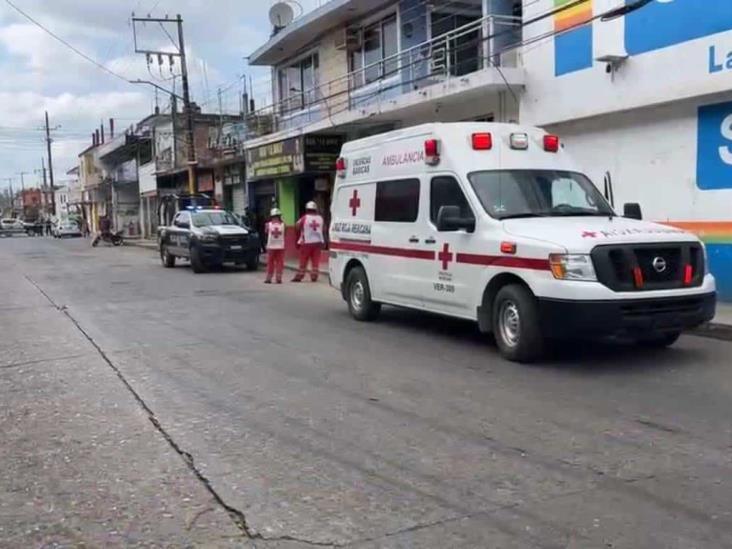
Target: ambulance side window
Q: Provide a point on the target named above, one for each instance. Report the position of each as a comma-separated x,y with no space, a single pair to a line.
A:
446,191
397,201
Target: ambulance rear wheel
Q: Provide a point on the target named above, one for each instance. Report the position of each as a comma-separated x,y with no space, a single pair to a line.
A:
516,324
360,304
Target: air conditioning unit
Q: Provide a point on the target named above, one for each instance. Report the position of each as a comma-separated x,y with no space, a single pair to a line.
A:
348,39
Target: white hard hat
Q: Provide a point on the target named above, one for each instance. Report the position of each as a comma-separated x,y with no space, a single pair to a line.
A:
311,206
275,212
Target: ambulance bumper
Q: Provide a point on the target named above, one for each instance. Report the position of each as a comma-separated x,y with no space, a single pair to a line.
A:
568,319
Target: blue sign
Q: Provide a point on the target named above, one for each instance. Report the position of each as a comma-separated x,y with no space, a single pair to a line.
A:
663,23
714,142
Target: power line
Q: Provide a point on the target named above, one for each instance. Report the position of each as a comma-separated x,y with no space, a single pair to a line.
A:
65,43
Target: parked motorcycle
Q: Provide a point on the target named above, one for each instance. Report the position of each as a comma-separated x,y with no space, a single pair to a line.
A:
115,239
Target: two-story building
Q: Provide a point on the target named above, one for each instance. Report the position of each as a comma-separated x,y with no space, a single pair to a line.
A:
644,100
163,166
353,68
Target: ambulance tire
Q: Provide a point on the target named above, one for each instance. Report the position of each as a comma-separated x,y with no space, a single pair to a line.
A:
516,324
197,263
360,304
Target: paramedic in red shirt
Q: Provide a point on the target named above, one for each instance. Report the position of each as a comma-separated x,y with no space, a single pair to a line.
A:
275,234
310,240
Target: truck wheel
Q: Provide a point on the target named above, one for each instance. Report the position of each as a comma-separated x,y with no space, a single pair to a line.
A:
167,259
360,303
516,324
253,263
659,341
196,262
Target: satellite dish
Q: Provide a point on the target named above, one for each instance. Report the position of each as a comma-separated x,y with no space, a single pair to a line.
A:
281,15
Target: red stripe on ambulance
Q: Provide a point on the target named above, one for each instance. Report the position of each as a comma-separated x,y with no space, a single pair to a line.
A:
503,261
383,250
466,259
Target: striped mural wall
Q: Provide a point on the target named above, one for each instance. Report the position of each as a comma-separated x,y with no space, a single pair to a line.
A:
573,47
717,235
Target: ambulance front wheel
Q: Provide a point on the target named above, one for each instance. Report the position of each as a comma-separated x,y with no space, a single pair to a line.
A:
360,304
516,324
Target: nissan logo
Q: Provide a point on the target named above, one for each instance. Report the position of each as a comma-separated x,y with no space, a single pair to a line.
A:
659,264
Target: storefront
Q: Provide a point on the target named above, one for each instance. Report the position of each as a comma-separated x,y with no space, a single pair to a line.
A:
290,173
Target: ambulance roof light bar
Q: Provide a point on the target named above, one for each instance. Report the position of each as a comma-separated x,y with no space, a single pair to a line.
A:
482,141
519,141
432,152
551,143
341,167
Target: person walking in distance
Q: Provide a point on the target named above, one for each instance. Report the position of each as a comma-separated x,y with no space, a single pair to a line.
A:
310,240
274,231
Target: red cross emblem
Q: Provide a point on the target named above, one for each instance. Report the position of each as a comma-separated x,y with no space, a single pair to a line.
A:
589,234
354,203
314,225
445,256
276,232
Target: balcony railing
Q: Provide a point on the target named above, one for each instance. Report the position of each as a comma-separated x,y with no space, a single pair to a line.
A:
491,41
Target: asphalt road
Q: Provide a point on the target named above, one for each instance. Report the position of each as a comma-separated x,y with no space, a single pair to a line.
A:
144,406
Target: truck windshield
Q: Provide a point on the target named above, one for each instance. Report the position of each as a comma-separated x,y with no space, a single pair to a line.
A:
511,194
207,219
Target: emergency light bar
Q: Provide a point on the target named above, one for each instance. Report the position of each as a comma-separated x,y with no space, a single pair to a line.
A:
432,152
519,141
551,143
341,167
482,141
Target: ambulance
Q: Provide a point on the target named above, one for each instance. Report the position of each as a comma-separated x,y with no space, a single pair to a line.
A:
495,223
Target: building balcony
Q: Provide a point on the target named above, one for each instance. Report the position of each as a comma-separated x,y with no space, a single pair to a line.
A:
461,65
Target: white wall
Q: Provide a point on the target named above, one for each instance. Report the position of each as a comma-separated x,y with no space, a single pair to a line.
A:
652,156
148,181
667,74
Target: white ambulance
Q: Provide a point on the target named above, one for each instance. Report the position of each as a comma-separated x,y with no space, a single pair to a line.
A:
495,223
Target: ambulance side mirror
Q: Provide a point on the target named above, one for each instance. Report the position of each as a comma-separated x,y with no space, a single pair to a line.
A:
449,219
632,210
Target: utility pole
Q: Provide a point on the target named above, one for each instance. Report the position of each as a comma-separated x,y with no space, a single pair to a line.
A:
12,195
192,182
50,166
187,109
22,190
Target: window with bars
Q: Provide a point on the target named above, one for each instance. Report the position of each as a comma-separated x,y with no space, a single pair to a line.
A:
376,57
297,83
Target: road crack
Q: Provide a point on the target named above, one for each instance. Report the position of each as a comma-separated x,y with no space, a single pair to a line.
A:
237,516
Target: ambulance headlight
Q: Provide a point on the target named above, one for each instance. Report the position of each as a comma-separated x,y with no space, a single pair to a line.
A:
572,267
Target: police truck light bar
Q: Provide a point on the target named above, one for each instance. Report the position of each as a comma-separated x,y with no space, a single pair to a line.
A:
432,152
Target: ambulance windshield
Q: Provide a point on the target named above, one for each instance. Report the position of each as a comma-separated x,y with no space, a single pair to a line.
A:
510,194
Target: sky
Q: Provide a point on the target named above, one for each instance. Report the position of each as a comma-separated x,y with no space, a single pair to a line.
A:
39,73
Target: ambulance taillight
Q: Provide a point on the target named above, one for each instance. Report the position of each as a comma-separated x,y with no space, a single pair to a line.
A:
341,167
432,152
482,141
551,143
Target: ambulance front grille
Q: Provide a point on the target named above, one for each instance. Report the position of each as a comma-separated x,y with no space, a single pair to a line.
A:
616,265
